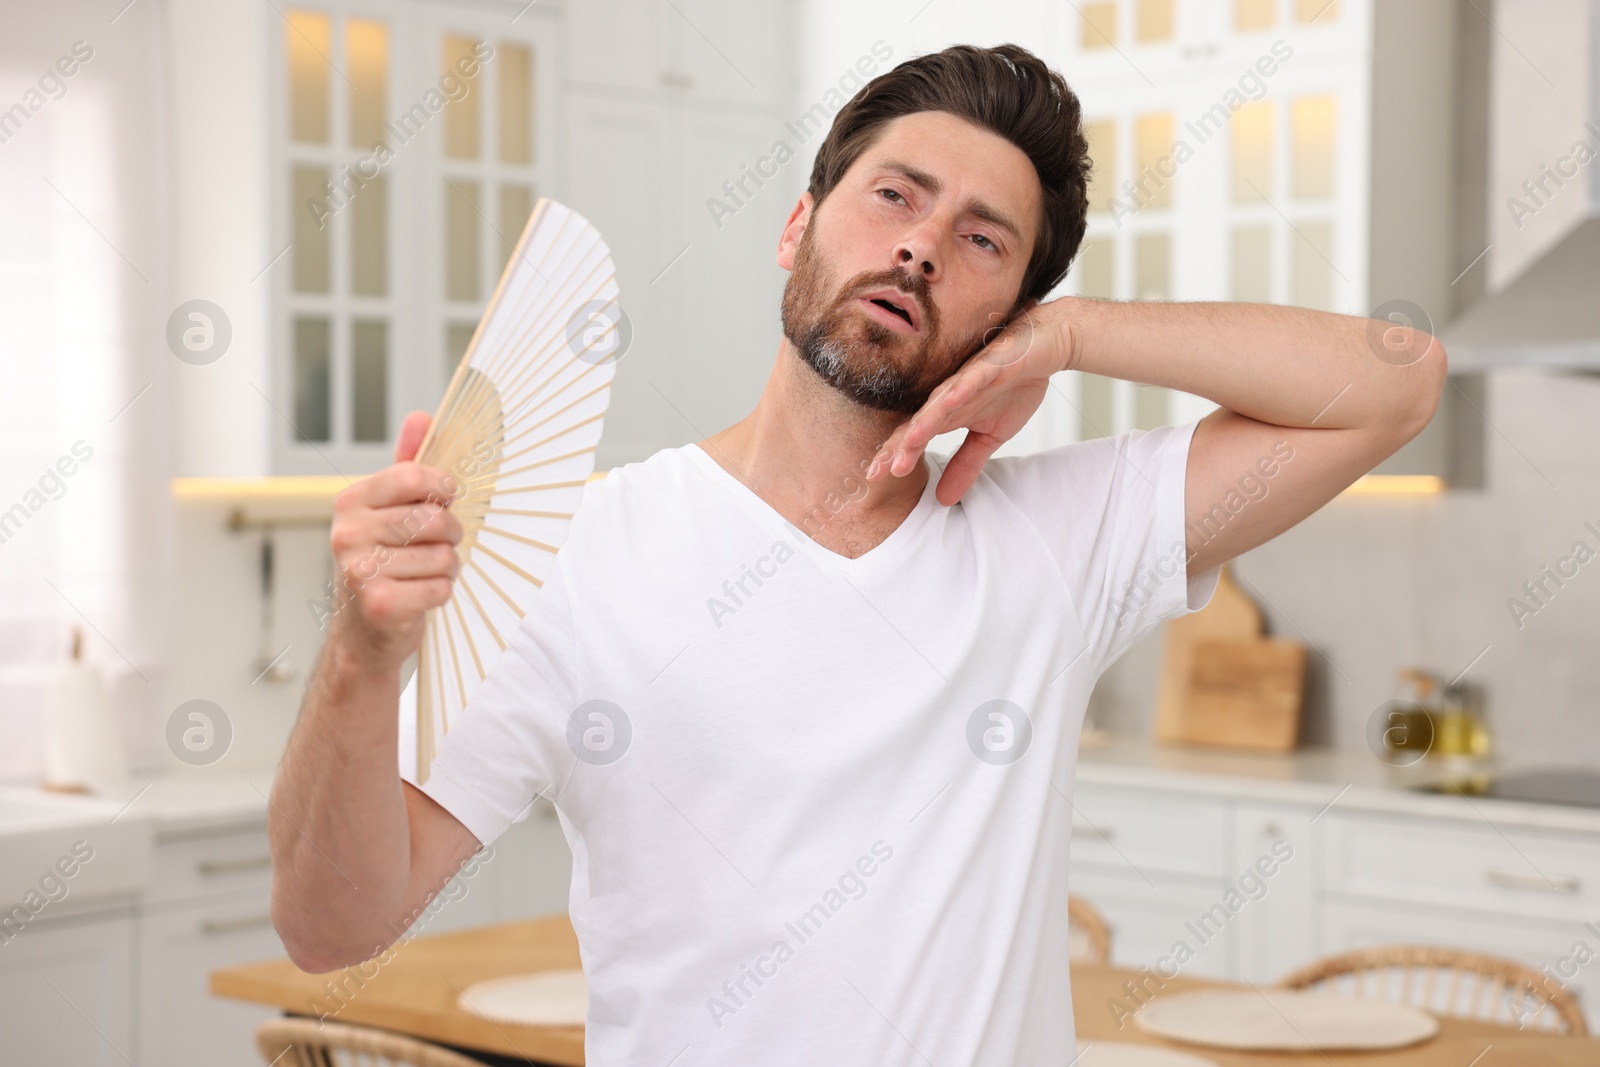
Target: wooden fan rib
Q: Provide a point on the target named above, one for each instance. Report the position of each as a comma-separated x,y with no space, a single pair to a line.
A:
486,528
515,489
475,565
494,631
526,513
546,462
580,424
466,635
508,565
571,404
455,668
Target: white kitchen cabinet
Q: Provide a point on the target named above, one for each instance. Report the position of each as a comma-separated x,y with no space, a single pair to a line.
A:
66,992
1474,865
1146,830
1280,931
703,50
1150,919
180,1022
1169,867
701,288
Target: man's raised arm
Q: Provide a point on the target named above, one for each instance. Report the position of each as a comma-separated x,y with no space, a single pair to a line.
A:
357,852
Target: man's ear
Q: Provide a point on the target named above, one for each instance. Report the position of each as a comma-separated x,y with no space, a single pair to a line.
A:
789,241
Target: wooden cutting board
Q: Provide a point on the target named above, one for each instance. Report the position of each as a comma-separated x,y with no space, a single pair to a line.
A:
1230,616
1245,694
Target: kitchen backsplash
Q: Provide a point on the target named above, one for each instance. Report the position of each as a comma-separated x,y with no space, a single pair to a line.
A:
1375,583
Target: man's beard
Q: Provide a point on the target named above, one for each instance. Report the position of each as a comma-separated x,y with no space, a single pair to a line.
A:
865,360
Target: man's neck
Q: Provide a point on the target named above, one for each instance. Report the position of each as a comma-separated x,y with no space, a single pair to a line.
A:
805,450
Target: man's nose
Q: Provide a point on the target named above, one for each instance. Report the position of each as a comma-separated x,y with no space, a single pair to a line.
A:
916,253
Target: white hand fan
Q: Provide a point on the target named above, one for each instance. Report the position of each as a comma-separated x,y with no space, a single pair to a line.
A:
517,428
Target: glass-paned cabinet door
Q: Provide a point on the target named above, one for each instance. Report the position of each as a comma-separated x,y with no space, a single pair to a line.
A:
409,142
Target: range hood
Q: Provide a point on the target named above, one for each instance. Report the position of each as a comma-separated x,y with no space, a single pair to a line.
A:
1549,313
1549,316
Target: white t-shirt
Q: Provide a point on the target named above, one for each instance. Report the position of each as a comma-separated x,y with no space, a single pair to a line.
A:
819,808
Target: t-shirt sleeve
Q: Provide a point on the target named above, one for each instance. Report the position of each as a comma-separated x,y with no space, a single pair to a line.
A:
1112,512
509,746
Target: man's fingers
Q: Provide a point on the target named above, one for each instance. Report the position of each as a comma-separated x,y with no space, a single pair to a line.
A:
964,467
406,524
435,560
412,431
403,483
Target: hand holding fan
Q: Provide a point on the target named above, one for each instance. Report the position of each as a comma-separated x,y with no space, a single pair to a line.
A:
517,429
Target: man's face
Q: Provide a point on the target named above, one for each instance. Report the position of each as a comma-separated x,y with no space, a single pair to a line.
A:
938,219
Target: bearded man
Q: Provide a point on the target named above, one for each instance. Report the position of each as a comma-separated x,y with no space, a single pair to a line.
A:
831,820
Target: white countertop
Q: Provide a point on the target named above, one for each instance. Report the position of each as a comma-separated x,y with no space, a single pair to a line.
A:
1346,780
199,802
191,802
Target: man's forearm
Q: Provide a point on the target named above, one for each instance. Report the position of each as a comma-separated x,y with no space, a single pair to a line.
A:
1282,365
338,824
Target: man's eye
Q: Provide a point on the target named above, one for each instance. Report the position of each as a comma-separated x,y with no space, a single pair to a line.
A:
987,244
890,192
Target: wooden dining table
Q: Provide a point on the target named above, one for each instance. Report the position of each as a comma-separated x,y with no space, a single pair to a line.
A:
416,991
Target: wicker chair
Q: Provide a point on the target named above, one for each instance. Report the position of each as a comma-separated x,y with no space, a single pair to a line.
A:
305,1043
1088,936
1447,981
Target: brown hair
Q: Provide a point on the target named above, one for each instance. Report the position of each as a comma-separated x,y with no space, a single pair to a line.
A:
1007,90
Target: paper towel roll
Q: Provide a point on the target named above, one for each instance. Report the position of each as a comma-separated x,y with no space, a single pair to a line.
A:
83,741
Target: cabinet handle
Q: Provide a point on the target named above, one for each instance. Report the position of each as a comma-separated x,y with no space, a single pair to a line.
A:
214,927
1105,833
1555,883
212,868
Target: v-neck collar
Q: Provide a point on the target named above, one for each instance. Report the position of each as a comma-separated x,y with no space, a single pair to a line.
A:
889,549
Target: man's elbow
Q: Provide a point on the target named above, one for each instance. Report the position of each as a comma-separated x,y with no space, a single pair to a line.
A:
311,950
1419,401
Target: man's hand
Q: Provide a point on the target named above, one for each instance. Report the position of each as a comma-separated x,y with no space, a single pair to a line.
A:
992,396
394,541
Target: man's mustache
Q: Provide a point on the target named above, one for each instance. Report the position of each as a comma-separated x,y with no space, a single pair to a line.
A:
904,281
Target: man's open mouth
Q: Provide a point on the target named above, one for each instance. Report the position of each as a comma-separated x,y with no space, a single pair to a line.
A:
901,306
896,308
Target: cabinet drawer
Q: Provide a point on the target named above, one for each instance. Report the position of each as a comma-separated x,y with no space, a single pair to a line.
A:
1504,870
215,863
1149,831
